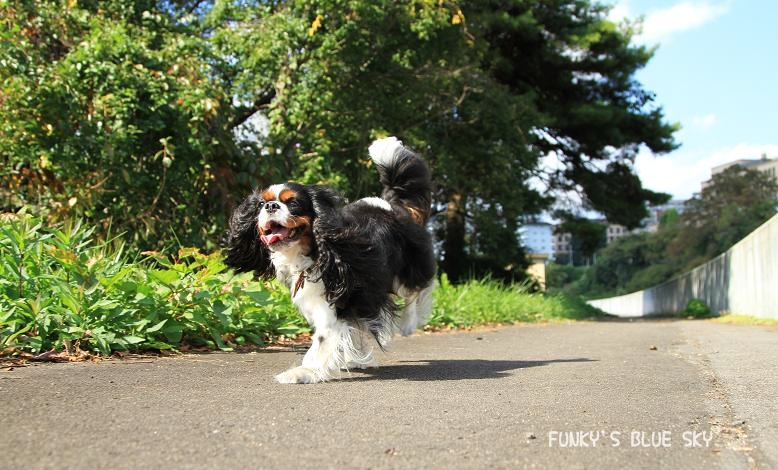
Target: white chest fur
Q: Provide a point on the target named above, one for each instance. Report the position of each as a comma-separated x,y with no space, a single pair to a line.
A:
289,263
293,269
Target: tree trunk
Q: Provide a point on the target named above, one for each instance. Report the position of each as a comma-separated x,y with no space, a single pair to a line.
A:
454,244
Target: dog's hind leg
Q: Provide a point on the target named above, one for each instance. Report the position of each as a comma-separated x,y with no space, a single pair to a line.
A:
359,350
418,305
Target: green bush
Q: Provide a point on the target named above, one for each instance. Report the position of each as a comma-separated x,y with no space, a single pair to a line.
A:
59,288
696,308
110,113
559,277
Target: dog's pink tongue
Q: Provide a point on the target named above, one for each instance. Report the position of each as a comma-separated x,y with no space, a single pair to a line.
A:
273,237
270,238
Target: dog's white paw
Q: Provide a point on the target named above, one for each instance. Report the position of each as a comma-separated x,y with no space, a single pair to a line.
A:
299,375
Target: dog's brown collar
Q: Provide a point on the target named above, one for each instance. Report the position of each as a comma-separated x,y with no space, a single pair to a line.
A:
299,284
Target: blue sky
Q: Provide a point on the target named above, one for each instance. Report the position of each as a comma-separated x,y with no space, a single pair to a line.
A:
715,72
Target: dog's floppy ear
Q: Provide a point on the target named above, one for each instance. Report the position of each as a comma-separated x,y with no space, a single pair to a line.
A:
245,252
325,201
326,204
331,242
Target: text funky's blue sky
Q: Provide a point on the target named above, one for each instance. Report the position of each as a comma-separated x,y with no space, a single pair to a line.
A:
714,73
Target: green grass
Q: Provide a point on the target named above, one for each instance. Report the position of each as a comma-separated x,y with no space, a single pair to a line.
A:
486,301
61,290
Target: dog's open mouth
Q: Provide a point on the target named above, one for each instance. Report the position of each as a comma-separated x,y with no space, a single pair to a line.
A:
275,232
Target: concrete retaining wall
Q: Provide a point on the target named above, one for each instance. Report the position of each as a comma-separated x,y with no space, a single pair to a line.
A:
744,280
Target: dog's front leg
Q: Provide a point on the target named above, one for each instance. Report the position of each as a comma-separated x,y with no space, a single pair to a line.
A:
331,338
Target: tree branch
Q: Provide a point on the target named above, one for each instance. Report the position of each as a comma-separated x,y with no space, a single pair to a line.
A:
243,114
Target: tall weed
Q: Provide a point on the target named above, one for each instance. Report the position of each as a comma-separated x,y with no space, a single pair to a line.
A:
488,301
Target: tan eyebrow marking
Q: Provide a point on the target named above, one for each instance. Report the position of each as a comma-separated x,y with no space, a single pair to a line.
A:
286,195
268,195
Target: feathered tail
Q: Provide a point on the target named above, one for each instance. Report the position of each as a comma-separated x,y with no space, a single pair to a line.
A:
405,177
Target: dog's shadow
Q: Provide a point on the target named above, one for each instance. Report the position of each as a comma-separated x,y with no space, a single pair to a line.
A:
450,369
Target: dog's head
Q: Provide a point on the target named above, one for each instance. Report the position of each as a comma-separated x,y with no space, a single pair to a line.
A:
286,215
278,218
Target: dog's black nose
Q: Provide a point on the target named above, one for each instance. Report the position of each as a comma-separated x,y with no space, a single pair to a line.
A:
272,206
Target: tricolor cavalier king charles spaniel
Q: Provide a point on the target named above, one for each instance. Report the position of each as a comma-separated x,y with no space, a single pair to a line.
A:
346,264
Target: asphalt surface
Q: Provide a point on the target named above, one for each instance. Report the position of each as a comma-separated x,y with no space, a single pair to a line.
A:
654,394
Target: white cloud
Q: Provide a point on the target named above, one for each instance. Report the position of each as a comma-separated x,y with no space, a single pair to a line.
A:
660,25
619,12
681,173
703,123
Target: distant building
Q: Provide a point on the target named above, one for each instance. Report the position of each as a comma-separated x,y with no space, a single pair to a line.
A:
538,238
615,231
541,238
769,166
655,214
563,247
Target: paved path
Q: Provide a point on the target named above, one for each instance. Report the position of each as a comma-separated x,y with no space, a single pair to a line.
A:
514,397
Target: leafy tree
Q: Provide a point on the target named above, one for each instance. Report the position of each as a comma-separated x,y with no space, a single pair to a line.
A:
732,205
485,160
330,76
579,68
109,112
149,116
588,236
572,70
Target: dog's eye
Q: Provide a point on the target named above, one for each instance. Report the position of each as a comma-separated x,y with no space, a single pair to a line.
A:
292,203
